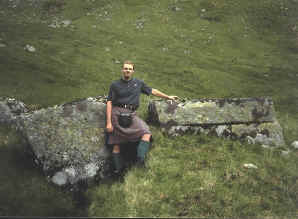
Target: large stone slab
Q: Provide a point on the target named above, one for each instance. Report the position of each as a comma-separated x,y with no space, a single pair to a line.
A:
249,119
212,111
67,141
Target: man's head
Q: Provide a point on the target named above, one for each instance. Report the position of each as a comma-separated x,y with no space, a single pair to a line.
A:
127,70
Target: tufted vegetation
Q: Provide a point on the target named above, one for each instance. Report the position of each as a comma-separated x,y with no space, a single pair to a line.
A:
189,48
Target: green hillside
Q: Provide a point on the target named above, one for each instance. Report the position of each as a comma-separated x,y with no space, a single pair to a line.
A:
189,48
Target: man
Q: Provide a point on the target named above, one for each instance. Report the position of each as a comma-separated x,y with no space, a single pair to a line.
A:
124,95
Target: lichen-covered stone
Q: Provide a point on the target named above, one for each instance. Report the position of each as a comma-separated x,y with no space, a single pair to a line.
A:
243,130
250,119
68,140
10,109
212,111
273,131
295,144
269,133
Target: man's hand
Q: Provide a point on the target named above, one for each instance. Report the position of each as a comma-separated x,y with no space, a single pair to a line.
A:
173,97
158,93
109,127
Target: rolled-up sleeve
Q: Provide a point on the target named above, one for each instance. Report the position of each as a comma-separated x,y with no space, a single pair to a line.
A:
146,89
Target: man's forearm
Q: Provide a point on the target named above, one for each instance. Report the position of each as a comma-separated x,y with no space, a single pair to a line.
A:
158,93
109,112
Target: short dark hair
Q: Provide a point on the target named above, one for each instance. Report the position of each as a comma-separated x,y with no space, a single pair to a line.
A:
129,63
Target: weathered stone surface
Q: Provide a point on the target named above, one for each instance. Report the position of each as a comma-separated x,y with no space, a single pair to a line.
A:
250,166
10,109
295,144
67,141
250,119
212,111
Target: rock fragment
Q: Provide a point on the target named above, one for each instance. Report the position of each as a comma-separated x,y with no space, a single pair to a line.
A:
250,166
29,48
295,144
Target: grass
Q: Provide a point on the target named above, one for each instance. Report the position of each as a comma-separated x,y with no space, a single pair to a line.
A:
199,176
193,49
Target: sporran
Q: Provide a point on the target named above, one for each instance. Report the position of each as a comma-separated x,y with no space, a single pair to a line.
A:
125,119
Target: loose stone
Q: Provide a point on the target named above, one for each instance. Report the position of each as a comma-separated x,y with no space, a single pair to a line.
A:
66,23
250,166
30,48
295,144
60,178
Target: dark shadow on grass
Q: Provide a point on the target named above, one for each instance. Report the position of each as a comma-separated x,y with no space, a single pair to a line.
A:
25,191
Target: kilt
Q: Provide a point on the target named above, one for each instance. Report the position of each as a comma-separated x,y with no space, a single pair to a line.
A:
131,134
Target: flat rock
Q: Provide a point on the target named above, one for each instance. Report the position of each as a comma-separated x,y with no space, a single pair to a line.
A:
66,141
249,119
212,111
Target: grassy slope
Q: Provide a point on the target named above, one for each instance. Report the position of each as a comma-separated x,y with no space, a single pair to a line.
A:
232,49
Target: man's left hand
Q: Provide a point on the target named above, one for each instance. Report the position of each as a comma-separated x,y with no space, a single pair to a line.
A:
173,97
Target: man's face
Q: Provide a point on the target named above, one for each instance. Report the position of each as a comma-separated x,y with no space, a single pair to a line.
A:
127,71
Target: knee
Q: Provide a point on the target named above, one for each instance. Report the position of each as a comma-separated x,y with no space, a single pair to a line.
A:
116,149
146,137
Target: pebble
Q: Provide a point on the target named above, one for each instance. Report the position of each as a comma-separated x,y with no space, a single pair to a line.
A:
250,165
53,25
58,24
175,8
250,140
66,23
60,178
295,144
29,48
266,146
2,45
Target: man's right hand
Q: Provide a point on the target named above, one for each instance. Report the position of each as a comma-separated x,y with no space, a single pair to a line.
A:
109,127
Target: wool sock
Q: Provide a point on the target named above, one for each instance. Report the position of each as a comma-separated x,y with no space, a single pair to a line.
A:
143,148
118,163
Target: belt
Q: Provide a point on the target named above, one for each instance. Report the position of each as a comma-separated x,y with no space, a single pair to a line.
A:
127,106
